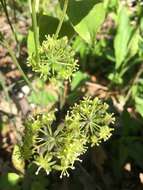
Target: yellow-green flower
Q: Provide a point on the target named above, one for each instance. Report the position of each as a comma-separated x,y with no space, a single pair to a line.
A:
44,162
95,141
56,59
105,133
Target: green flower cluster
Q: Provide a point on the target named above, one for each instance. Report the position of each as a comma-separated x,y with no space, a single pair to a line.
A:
93,119
58,147
32,128
56,59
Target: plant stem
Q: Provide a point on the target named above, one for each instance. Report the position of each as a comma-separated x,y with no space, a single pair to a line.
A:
63,94
14,11
4,5
15,61
35,27
62,18
134,82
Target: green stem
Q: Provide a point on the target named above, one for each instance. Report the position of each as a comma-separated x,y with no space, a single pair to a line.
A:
62,18
4,5
139,73
35,27
15,61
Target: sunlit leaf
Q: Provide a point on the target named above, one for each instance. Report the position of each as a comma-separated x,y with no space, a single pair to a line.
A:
48,25
86,18
139,105
78,79
30,42
42,98
123,36
9,181
17,159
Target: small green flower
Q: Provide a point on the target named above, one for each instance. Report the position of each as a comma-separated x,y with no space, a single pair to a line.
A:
105,132
44,162
95,141
70,152
56,59
93,117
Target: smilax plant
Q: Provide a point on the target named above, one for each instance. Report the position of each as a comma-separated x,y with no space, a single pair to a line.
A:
56,144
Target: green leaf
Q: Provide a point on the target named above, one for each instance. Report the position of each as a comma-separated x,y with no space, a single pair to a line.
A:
78,79
80,46
134,44
9,181
139,105
111,4
123,36
86,18
17,159
48,25
13,178
42,98
116,78
30,42
141,24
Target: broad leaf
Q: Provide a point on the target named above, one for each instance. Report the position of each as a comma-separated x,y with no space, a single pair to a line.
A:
78,79
86,18
123,36
17,159
48,25
137,94
134,44
30,42
9,181
42,98
139,105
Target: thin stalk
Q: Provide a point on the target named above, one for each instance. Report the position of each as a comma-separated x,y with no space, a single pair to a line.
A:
4,5
139,73
14,11
35,27
62,18
63,94
15,61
